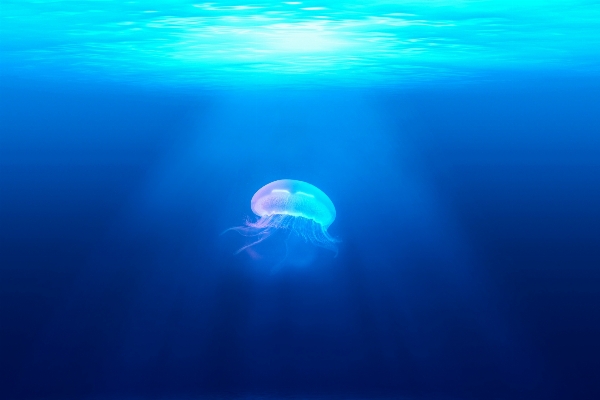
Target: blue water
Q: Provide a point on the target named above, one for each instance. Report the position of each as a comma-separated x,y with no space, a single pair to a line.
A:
458,140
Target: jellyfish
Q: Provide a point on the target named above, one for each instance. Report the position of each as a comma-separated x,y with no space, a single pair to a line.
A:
298,208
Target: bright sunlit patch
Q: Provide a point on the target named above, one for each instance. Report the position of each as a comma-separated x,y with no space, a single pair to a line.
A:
216,7
301,39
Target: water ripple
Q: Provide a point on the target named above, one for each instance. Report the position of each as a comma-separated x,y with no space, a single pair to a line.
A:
347,42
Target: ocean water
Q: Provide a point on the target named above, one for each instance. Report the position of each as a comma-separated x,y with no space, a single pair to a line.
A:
458,140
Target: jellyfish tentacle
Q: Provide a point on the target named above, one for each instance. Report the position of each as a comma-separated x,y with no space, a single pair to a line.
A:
265,235
263,228
285,257
250,229
314,233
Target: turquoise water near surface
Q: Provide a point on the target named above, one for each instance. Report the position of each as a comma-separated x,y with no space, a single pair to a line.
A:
353,43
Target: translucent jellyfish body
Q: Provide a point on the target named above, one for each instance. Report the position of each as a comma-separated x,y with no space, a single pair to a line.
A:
297,207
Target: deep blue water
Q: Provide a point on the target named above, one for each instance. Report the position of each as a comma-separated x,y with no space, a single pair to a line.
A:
468,266
459,142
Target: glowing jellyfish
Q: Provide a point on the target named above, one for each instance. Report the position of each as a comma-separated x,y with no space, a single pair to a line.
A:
297,207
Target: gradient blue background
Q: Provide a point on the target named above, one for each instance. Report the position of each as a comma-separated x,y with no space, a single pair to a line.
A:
468,269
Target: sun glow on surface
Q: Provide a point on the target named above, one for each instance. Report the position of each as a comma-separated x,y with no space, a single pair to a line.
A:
302,39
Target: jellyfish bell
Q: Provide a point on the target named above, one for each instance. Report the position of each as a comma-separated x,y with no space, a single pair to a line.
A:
299,209
295,199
